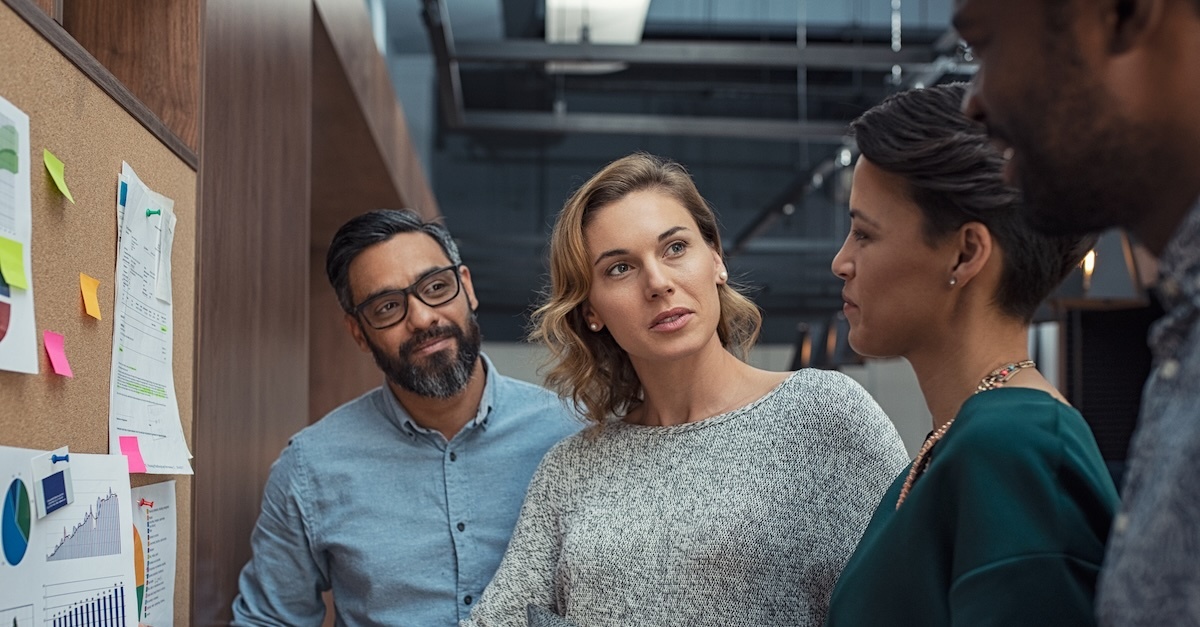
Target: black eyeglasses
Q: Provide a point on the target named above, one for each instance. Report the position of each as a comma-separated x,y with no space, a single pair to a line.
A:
435,288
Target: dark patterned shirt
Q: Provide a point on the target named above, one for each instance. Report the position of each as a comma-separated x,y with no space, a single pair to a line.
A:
1151,573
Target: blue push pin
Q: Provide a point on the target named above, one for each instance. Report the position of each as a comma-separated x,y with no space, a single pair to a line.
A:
151,212
54,459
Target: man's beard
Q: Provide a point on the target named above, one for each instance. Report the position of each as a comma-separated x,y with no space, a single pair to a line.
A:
444,373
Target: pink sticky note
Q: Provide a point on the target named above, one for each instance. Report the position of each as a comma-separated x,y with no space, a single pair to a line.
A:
131,450
57,353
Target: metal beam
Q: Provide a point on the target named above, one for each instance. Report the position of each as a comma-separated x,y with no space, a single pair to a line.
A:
784,203
791,246
633,124
704,54
437,22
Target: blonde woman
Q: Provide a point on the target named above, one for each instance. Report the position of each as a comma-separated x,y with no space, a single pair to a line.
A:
706,491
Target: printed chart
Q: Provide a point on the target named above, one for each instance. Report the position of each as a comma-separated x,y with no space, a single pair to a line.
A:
15,522
87,603
99,533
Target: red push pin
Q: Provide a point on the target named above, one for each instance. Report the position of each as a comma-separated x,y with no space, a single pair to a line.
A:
145,503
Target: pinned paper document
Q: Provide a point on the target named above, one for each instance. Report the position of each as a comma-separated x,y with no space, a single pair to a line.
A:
143,406
18,327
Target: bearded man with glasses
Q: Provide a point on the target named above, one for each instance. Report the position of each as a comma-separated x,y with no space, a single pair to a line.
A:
402,501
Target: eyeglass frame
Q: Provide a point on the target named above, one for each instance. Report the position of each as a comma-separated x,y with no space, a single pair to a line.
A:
411,290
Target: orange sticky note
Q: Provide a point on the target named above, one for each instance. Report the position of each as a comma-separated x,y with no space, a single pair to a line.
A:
57,353
133,452
88,285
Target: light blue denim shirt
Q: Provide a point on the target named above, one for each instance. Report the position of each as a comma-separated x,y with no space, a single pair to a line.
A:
1151,573
405,527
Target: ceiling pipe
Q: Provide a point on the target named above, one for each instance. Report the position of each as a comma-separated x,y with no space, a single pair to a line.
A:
447,56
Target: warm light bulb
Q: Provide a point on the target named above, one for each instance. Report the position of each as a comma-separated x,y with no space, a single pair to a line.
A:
1088,264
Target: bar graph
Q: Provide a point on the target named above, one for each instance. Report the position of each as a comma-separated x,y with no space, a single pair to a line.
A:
100,605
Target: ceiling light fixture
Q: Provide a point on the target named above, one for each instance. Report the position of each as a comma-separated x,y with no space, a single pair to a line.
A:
604,22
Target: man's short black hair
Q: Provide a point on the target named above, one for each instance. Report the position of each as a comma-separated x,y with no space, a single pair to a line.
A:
372,228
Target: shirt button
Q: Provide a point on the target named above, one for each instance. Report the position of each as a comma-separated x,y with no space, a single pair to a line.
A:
467,599
462,527
1121,523
453,456
1169,288
1168,369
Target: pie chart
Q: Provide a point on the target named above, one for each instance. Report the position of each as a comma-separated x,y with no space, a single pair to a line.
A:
5,307
139,569
14,522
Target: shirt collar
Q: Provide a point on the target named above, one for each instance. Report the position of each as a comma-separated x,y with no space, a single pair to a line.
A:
400,417
1179,265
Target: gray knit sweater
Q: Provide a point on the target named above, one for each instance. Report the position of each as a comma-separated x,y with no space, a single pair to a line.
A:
745,518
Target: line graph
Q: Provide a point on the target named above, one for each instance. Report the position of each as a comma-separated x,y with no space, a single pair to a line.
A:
99,533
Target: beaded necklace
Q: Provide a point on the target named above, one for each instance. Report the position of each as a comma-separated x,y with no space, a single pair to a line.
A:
993,380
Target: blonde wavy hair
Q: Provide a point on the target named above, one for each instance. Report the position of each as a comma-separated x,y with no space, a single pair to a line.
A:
590,368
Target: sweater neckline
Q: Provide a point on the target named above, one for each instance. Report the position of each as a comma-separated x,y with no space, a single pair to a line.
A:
717,419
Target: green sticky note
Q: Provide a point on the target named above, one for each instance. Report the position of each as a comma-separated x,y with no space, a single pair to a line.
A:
56,172
12,263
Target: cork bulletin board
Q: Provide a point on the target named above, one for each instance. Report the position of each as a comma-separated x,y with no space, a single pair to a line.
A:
92,134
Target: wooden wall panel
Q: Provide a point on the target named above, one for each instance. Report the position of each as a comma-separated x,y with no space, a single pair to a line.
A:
340,371
363,160
153,48
348,29
252,320
53,8
350,175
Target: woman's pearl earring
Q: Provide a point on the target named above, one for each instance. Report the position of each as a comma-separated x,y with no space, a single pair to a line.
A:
953,281
724,276
593,326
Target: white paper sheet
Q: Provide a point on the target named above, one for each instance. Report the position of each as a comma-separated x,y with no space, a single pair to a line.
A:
78,560
18,327
142,397
155,533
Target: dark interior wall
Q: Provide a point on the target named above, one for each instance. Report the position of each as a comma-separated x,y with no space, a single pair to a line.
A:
508,188
252,284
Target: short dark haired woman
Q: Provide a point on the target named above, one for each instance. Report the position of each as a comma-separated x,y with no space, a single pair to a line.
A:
1003,516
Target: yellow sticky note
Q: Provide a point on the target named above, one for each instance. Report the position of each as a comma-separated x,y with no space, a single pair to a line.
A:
12,263
56,172
88,286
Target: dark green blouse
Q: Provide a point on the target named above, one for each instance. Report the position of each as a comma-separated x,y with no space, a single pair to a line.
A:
1006,526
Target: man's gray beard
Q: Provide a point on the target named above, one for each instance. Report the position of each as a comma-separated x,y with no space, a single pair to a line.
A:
445,374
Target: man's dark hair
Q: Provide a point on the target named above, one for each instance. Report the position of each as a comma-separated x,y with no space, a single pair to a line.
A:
953,173
372,228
